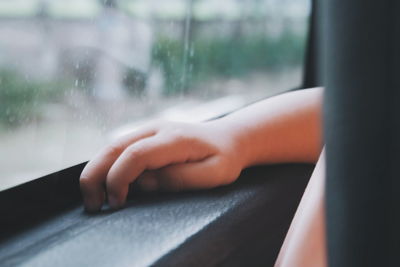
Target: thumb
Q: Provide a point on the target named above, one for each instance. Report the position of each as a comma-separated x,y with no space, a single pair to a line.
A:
208,173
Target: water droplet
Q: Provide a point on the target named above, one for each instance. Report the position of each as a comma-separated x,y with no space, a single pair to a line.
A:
76,83
77,66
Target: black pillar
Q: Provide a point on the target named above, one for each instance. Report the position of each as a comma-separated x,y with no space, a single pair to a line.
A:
360,52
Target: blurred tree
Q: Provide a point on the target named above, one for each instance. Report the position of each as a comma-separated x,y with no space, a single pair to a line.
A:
110,3
188,39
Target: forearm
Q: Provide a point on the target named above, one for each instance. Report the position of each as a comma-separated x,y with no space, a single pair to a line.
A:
284,128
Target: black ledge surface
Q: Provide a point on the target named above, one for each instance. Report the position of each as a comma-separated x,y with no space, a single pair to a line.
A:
244,224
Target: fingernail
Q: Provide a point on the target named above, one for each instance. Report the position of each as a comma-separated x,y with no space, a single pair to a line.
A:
113,202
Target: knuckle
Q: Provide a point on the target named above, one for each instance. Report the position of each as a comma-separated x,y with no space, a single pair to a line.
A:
182,136
134,152
114,149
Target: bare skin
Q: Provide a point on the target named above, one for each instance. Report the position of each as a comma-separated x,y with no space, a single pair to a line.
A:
180,156
305,241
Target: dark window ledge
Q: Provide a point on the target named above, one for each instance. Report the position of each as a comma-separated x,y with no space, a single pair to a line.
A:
244,224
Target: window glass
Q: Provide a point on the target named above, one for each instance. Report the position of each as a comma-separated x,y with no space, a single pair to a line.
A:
75,74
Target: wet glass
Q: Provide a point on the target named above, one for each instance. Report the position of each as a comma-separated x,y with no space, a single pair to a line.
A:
75,74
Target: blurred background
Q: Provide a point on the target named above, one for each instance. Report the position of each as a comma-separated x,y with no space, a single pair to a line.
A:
75,74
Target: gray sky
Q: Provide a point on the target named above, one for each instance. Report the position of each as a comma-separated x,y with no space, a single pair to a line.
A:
144,8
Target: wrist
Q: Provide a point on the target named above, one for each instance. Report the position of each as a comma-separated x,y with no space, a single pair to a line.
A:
237,136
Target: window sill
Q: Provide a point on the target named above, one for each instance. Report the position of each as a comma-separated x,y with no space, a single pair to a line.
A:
245,223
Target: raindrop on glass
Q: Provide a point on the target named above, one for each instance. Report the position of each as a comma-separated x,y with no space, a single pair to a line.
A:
192,51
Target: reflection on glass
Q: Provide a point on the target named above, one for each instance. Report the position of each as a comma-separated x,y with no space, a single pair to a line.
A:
76,73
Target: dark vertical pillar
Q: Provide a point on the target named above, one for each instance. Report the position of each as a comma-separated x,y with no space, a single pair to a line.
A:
311,62
361,73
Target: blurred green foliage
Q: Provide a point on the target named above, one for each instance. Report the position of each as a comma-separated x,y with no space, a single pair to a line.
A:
20,98
228,57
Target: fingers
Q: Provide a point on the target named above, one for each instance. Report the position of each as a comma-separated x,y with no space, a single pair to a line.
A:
92,181
196,175
163,158
147,181
204,174
149,154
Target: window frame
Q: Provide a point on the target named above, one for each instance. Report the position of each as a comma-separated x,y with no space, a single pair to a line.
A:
29,204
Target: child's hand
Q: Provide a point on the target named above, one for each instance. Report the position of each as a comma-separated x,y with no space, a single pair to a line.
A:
177,156
162,156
